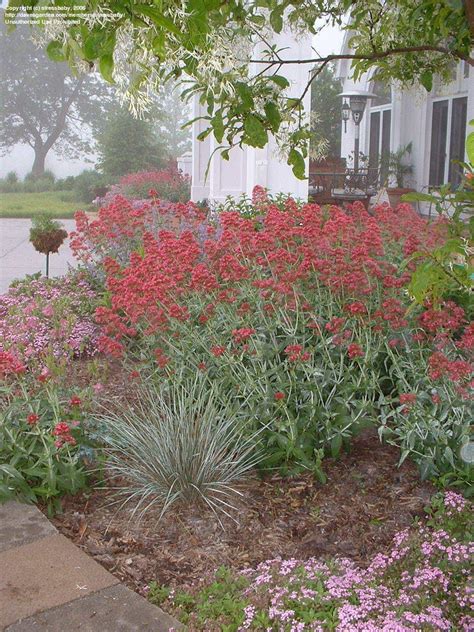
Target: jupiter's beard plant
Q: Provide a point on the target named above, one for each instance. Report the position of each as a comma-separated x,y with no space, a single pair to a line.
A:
299,314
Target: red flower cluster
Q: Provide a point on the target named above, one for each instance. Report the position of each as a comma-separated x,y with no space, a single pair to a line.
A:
355,351
295,353
276,265
63,433
9,365
447,319
161,358
457,370
167,184
240,335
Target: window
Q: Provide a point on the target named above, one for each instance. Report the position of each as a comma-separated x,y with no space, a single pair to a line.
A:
449,115
380,128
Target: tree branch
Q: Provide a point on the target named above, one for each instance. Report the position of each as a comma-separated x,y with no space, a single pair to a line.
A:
369,56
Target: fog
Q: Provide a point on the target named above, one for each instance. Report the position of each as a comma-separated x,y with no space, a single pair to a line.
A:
20,159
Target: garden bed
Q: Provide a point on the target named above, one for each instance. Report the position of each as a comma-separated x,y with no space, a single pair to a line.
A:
366,500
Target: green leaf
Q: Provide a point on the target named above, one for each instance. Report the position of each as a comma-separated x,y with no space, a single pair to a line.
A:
336,443
93,45
204,134
279,80
245,94
426,80
276,19
106,66
296,160
273,115
419,197
217,123
157,18
470,147
256,134
55,51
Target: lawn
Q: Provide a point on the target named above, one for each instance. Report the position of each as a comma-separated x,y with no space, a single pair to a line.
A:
60,204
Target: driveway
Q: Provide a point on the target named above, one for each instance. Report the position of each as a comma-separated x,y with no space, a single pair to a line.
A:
18,257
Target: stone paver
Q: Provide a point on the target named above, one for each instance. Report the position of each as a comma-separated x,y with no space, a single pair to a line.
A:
47,584
18,257
21,524
44,574
115,609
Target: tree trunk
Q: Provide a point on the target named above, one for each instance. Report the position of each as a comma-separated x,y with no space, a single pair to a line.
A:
469,8
37,169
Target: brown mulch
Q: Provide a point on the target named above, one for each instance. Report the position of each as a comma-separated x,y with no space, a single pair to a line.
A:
366,500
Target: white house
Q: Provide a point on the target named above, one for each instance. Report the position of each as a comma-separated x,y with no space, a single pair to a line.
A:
435,123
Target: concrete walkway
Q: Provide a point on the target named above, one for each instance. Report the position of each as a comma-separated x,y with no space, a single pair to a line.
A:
18,257
47,584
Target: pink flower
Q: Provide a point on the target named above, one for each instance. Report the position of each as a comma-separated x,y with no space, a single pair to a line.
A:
48,311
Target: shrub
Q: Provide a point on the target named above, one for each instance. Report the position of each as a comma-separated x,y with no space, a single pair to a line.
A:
422,583
42,318
65,184
42,436
129,144
121,225
430,420
11,177
297,314
299,311
178,443
9,185
39,184
168,184
90,185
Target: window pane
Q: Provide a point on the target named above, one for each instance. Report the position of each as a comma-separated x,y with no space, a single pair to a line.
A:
374,140
385,149
438,142
458,139
383,92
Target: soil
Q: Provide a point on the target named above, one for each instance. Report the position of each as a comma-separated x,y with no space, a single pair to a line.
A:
366,500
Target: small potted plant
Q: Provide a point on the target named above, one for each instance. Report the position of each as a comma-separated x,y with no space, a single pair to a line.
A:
398,169
46,235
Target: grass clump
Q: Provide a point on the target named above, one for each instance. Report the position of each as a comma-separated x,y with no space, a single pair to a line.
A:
179,444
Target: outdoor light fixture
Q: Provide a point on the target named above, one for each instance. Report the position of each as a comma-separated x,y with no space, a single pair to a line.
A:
357,102
346,112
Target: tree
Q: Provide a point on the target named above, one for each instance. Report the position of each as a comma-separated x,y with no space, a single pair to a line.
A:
171,116
211,44
128,144
326,104
43,104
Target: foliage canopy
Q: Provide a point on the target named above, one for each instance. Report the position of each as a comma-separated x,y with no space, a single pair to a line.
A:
211,44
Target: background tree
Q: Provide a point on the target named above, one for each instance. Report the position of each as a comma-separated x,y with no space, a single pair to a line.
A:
43,104
128,144
326,105
171,115
211,44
